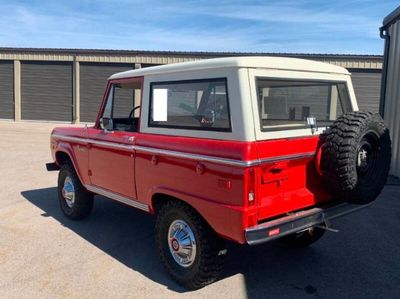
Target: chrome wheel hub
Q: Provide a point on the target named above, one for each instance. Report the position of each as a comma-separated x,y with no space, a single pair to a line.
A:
367,156
181,243
68,192
362,158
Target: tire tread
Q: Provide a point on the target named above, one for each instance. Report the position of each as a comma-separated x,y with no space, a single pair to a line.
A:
339,153
83,199
210,261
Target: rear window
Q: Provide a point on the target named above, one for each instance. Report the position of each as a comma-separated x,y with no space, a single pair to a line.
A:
194,104
287,104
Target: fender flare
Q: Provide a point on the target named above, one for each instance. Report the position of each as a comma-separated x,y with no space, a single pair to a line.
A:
64,147
217,215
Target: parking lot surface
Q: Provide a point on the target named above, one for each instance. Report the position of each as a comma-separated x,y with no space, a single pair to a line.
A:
112,253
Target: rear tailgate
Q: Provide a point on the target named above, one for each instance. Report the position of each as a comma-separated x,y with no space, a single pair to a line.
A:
287,177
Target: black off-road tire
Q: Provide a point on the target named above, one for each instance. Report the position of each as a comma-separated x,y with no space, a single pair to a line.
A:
210,248
303,238
355,157
83,200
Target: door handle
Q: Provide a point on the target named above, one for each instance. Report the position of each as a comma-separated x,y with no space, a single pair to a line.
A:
275,173
278,167
275,170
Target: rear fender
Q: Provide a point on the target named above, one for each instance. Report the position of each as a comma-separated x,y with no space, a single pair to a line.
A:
217,215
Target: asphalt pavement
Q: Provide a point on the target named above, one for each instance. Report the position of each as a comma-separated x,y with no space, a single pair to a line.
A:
112,254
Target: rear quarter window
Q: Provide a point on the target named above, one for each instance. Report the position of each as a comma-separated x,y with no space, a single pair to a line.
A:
286,104
190,104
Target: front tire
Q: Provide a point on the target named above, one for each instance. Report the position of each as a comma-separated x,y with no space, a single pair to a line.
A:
190,251
75,201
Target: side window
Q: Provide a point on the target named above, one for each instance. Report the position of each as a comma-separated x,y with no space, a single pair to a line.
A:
108,108
123,106
194,104
123,101
286,104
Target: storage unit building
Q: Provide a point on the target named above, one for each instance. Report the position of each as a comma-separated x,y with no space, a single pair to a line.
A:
6,89
390,102
367,87
93,80
46,91
68,84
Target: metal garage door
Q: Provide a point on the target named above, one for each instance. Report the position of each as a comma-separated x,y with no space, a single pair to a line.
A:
46,91
7,89
367,86
93,83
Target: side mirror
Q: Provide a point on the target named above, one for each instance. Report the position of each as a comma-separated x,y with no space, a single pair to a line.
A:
106,124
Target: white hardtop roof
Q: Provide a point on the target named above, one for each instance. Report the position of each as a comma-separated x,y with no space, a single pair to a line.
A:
260,62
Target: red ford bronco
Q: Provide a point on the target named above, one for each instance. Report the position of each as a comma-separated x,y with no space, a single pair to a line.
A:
247,149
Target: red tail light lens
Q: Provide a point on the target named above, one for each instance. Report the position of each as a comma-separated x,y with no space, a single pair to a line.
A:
250,187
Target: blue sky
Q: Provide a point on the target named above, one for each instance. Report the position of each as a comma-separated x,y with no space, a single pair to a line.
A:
344,27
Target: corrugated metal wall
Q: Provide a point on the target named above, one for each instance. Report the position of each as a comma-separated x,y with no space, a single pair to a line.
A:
367,86
392,96
7,89
92,85
46,91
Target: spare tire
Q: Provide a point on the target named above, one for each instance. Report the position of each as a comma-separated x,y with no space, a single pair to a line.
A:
355,156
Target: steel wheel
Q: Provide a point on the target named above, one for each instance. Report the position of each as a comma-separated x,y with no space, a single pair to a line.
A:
75,201
68,192
192,253
367,157
182,243
355,157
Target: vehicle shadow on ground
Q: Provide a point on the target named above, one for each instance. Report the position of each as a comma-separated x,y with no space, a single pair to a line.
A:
338,265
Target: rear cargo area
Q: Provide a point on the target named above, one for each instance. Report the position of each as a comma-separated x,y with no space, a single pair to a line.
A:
287,178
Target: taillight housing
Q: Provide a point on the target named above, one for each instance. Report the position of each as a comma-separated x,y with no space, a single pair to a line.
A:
250,187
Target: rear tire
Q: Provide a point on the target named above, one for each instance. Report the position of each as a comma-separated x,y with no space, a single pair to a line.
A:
355,157
303,238
189,249
75,201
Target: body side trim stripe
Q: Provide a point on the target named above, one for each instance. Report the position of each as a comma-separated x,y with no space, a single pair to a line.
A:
286,157
113,145
178,154
197,157
97,142
117,197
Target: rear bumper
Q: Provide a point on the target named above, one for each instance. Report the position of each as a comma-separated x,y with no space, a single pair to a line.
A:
298,221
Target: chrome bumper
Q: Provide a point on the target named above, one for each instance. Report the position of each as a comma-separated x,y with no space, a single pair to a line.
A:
298,221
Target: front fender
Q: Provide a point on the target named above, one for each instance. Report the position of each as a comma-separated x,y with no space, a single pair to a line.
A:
66,148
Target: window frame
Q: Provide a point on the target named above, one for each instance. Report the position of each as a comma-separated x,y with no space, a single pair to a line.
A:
151,123
289,126
110,88
114,86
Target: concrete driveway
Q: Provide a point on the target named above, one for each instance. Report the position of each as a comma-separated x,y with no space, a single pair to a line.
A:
112,253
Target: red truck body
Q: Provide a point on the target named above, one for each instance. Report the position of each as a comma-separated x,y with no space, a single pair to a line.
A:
248,149
140,166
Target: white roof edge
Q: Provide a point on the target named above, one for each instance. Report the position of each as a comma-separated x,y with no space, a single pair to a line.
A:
263,62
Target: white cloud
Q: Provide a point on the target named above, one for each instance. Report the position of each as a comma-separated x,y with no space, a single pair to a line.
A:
191,26
25,17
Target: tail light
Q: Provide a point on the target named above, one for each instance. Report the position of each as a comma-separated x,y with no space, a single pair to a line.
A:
250,190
